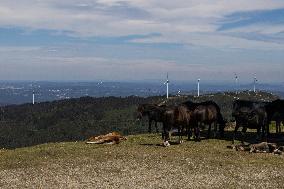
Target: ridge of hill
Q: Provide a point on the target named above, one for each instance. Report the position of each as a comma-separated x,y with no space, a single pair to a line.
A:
79,118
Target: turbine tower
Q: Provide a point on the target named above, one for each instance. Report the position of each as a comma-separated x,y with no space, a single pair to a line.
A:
236,82
33,94
167,83
33,97
198,82
254,83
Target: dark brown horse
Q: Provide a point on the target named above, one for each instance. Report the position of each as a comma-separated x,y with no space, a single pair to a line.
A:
208,113
178,117
250,114
275,112
154,113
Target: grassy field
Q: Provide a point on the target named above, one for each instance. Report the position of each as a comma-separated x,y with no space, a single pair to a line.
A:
139,162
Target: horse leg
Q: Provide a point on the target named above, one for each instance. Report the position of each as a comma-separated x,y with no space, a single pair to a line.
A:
189,133
209,130
243,133
235,132
215,130
258,134
180,135
277,127
221,130
267,128
149,127
163,131
156,125
165,136
197,132
264,127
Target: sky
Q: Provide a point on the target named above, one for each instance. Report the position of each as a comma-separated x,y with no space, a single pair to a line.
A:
142,40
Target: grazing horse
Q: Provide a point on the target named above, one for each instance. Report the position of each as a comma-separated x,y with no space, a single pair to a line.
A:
153,112
178,117
249,114
207,112
275,112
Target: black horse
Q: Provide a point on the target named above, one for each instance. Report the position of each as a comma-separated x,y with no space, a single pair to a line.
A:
154,113
208,113
275,112
249,114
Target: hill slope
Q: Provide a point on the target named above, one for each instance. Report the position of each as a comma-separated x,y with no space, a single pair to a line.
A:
80,118
139,162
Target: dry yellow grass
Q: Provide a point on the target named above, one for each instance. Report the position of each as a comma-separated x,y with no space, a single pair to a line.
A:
139,162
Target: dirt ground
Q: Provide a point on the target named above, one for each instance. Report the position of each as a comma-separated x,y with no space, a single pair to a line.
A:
139,162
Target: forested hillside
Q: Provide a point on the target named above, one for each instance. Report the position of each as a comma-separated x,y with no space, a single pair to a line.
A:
80,118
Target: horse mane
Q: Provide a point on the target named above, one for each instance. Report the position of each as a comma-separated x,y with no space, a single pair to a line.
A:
192,105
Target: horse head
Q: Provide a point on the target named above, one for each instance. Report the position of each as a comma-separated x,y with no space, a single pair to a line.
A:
140,112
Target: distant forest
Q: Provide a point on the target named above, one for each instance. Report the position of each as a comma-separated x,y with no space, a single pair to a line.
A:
79,118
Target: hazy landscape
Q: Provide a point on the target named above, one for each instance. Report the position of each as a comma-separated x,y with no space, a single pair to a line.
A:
81,81
18,92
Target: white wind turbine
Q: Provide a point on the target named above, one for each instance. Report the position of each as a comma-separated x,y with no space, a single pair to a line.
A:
167,83
236,82
198,87
254,83
33,97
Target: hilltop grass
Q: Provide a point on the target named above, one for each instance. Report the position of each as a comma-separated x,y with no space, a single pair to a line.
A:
139,162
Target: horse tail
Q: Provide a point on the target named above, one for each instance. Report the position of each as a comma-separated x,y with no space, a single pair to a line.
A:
220,118
221,122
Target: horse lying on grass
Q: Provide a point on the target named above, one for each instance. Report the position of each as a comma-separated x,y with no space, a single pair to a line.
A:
263,147
110,138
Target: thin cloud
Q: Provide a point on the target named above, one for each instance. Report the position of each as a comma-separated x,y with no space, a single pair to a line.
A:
121,37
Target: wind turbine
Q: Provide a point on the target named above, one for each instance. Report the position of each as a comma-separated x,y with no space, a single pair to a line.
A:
198,82
236,81
33,97
254,83
167,83
178,93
